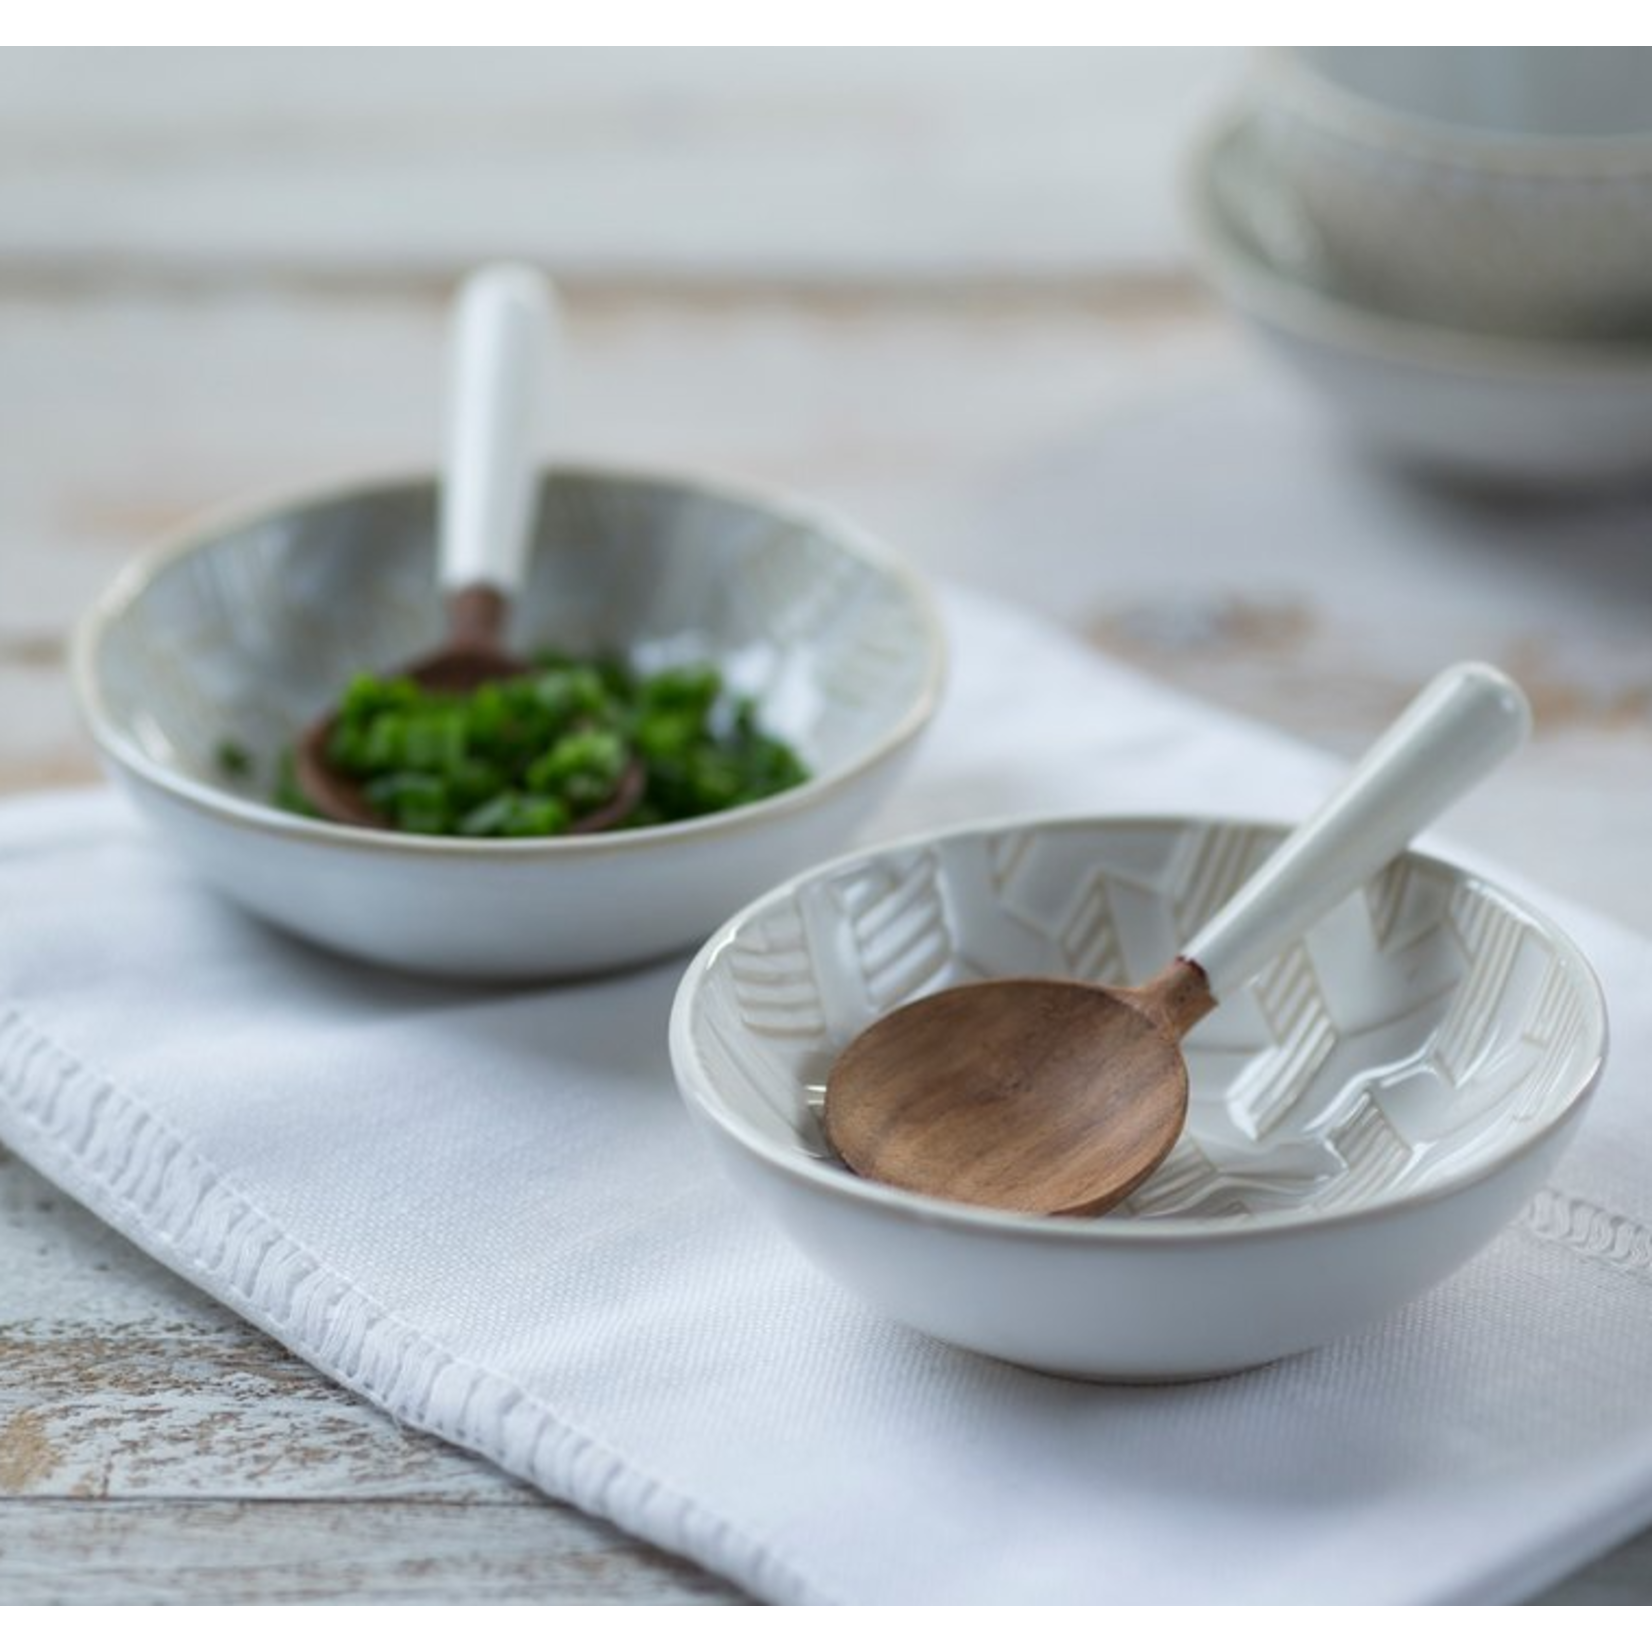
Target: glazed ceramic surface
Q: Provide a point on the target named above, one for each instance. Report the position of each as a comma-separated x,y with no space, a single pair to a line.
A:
1369,1112
1505,409
1489,101
246,630
1498,189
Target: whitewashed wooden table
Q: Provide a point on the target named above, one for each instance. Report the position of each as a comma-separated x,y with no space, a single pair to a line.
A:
948,294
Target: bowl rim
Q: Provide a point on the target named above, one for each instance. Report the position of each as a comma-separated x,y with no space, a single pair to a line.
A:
834,1182
247,511
1260,289
1304,89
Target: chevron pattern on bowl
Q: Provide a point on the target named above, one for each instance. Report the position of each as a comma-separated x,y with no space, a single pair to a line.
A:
1422,1028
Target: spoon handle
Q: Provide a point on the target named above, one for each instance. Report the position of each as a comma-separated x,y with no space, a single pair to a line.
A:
501,329
1452,735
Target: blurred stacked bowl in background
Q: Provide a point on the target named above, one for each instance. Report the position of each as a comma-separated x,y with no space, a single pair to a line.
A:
1453,244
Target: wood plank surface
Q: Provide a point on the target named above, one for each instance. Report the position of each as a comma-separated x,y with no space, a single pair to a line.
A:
239,1552
391,165
155,1448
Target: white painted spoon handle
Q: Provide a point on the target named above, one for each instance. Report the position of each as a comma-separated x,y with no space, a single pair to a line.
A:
1452,735
501,331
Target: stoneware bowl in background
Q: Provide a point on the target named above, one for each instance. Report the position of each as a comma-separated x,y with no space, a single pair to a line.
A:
1366,1116
1533,413
246,629
1501,189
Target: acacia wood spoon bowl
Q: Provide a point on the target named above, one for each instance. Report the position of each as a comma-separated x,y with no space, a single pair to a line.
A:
1058,1097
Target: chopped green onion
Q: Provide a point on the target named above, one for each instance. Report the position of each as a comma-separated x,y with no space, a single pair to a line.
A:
233,759
532,755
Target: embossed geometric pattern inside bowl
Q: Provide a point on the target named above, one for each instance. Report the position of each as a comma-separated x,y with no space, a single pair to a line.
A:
257,631
1423,1029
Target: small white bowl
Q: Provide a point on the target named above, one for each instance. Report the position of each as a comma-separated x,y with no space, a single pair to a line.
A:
1502,189
1533,413
1363,1118
246,629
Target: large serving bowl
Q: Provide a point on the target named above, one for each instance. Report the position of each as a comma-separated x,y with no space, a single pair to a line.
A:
1363,1118
246,629
1501,189
1504,409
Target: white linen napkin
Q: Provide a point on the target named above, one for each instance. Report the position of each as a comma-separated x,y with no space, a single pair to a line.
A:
486,1211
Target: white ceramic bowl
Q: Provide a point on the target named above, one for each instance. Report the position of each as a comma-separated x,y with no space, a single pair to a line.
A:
246,629
1490,94
1502,189
1507,410
1368,1114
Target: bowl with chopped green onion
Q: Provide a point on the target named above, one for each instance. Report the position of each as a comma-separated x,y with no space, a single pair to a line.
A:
717,687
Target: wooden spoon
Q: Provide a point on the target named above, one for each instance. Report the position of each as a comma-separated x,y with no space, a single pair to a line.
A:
1055,1097
502,324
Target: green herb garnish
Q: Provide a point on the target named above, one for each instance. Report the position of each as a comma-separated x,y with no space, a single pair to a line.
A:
289,794
528,756
233,759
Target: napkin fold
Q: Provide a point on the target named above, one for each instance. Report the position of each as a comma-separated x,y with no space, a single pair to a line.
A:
486,1211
